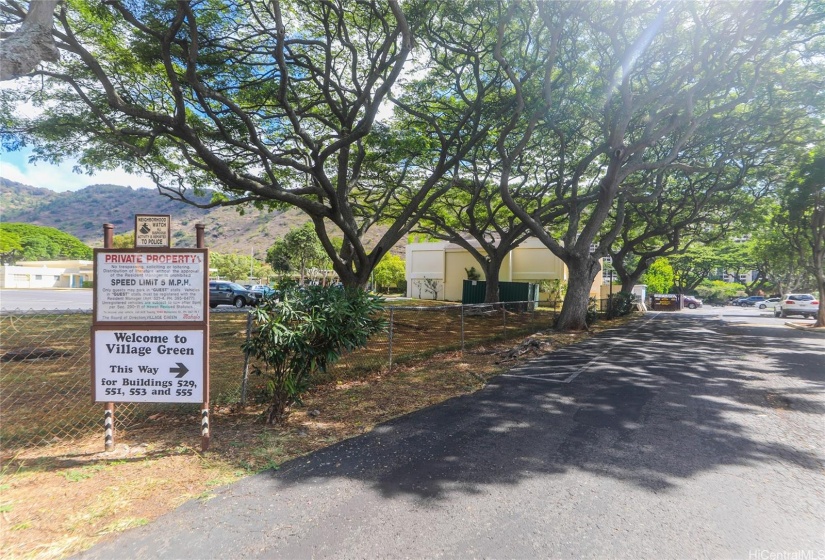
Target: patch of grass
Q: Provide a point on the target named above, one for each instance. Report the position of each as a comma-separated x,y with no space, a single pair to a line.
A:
123,524
205,496
77,475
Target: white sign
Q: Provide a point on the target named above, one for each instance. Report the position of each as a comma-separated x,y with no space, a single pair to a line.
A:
148,366
150,286
152,230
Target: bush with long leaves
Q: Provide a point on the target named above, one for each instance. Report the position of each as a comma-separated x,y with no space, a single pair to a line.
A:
304,332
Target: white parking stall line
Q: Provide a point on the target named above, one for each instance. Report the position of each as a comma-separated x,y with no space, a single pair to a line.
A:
578,371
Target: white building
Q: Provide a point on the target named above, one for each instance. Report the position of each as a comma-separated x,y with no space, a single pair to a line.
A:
47,274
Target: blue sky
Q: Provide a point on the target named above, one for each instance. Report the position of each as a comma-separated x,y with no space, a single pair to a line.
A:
15,166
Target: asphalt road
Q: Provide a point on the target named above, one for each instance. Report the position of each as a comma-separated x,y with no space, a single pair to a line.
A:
38,300
680,436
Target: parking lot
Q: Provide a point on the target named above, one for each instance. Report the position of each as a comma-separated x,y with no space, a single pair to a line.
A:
81,299
749,315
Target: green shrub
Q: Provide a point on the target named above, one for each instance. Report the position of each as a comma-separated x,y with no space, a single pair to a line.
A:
592,310
719,291
303,333
620,304
472,273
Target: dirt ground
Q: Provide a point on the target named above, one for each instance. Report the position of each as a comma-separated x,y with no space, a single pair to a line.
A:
60,500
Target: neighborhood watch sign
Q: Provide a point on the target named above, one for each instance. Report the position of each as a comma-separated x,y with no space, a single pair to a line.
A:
152,230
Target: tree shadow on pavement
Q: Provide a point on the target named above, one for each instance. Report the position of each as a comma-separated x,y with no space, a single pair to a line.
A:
653,405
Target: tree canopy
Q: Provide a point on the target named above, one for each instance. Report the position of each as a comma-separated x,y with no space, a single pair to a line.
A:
298,251
801,219
390,271
659,277
268,102
238,267
41,243
635,127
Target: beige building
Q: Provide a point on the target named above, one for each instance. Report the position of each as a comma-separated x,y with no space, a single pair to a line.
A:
437,270
47,274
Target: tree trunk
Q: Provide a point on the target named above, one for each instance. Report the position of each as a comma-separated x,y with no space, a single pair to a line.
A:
491,272
582,271
629,281
820,316
350,278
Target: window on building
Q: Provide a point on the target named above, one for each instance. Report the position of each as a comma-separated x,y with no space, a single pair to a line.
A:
57,277
38,277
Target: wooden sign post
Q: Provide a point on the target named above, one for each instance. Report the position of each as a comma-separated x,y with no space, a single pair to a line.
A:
150,330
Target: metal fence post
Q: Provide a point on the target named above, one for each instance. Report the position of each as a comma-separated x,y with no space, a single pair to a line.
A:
391,319
462,328
246,359
504,317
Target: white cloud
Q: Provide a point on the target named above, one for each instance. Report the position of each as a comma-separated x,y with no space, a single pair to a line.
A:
14,166
61,178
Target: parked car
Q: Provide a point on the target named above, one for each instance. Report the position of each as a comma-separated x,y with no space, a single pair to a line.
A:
737,301
770,302
691,302
797,304
262,292
230,293
752,301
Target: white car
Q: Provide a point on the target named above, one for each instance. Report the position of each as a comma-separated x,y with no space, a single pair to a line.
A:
770,302
797,304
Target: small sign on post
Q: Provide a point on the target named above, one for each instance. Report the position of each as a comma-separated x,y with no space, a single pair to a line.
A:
153,230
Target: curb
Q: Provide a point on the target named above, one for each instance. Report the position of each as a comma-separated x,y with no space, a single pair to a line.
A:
806,328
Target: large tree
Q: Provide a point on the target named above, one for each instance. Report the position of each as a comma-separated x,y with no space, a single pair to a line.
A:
298,251
473,51
632,84
685,209
472,215
776,257
802,220
269,102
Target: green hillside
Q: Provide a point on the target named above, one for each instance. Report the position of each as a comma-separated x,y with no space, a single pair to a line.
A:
82,214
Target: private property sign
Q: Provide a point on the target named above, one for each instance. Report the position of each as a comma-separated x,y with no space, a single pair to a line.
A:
146,285
134,365
150,331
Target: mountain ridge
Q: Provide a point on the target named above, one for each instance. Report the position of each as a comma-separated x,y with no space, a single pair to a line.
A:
82,213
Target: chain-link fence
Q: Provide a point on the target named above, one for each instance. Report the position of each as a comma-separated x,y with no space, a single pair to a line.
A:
45,376
45,368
